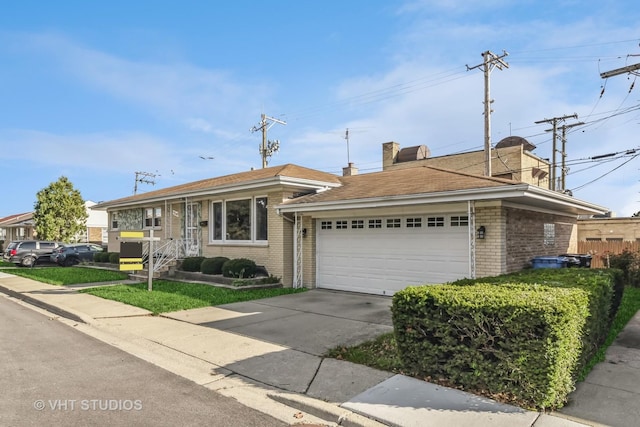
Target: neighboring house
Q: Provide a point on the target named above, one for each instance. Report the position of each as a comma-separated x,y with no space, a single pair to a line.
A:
511,159
609,229
22,227
374,233
97,225
17,227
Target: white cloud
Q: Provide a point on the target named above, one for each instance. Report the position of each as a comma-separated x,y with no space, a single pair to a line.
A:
179,90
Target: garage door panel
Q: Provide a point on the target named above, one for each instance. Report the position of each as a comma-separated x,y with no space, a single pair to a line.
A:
383,261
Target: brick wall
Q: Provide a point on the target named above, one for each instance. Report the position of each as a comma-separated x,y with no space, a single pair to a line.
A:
526,237
609,229
309,253
490,251
508,162
515,236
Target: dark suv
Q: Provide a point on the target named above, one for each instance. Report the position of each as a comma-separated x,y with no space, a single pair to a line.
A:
27,253
72,254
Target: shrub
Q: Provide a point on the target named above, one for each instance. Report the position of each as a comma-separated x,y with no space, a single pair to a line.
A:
241,268
114,258
604,289
192,263
629,263
519,340
213,265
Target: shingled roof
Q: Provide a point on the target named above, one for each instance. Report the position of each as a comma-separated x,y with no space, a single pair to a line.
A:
290,171
402,182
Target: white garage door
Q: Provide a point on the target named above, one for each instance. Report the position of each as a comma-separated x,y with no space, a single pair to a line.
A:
387,254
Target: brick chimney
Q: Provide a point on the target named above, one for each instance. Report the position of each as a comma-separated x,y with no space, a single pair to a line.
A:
350,170
389,154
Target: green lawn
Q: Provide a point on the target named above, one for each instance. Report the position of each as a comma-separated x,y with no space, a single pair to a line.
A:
68,275
382,352
168,296
6,264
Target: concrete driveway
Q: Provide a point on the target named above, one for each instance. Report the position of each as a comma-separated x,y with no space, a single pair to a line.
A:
312,322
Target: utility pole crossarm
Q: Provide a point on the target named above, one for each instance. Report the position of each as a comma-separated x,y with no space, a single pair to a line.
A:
618,71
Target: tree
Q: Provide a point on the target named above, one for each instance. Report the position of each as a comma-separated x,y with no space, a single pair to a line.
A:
59,212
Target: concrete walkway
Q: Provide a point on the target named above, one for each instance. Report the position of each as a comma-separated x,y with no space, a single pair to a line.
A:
268,355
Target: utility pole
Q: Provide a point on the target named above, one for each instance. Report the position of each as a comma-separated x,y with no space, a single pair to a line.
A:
145,178
346,136
554,121
491,61
267,148
563,153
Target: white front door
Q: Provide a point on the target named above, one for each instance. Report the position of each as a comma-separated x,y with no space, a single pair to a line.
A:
381,255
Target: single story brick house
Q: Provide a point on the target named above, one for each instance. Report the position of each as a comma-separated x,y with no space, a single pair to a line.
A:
373,233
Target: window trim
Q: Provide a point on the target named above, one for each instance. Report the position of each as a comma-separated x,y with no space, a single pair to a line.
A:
155,219
114,221
253,221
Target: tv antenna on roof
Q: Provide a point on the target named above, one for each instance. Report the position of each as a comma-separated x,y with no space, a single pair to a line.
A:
145,178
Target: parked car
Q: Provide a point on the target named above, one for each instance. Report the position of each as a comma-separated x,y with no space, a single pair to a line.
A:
28,253
72,254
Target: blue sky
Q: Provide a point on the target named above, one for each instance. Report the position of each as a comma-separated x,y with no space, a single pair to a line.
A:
96,91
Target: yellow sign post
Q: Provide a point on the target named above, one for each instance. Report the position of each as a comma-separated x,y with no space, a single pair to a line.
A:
131,252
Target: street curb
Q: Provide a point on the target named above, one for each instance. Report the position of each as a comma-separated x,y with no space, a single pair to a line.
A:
46,306
324,410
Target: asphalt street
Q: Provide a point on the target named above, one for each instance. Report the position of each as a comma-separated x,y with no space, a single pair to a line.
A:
54,375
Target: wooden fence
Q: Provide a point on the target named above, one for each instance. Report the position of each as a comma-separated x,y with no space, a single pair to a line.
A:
600,250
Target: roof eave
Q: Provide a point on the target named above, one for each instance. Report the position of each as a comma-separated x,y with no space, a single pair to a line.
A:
300,183
477,194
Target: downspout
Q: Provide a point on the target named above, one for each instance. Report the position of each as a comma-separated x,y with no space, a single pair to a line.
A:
294,221
471,212
295,283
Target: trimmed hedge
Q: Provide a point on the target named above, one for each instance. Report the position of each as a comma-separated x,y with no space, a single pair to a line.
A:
241,268
114,258
604,288
213,265
519,340
192,263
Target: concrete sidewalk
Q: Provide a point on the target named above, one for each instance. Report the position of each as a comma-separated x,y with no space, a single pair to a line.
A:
268,355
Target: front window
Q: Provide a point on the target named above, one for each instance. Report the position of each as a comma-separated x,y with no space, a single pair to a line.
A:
261,218
217,221
152,217
239,220
114,220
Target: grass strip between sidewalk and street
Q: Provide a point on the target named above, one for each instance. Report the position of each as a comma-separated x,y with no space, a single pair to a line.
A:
68,275
168,296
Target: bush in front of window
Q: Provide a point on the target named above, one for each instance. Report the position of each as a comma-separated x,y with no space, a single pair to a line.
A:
192,263
213,265
241,268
